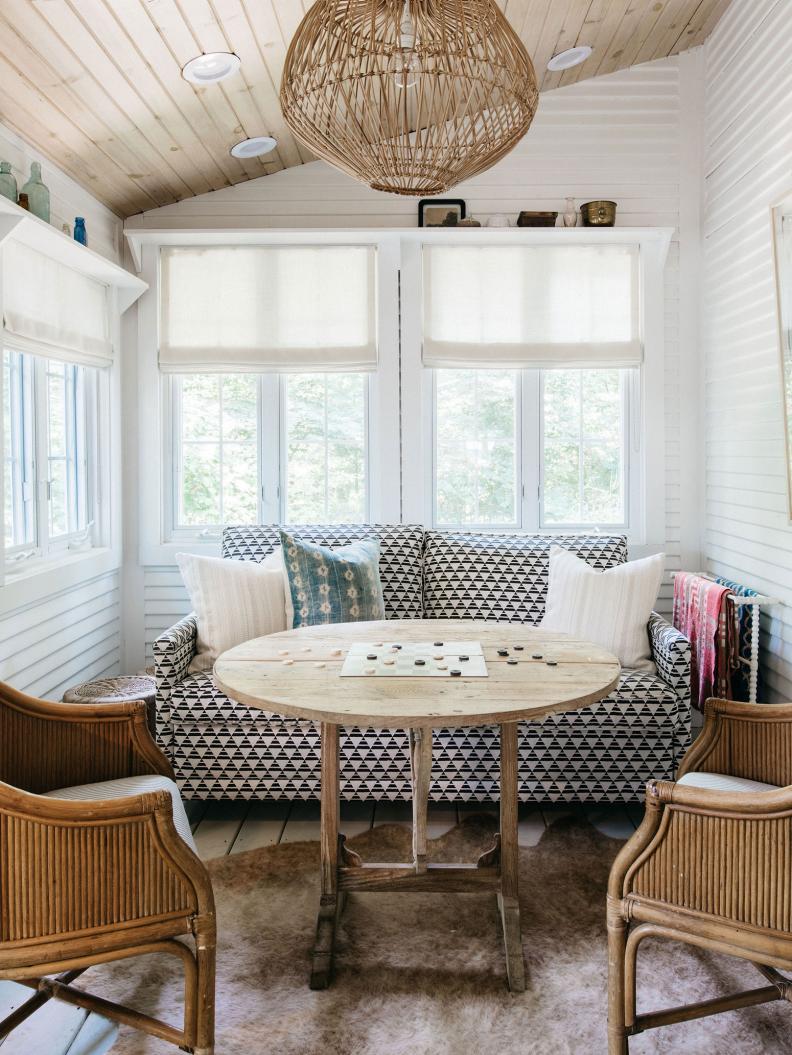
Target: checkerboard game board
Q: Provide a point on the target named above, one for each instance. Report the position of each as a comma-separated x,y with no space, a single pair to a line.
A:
424,659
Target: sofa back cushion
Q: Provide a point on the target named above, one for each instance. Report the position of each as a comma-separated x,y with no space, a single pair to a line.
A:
504,577
401,555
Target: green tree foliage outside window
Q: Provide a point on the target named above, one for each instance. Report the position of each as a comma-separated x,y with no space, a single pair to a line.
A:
476,447
325,448
583,447
219,449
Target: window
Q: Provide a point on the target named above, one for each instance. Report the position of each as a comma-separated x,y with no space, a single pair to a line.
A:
66,464
531,449
255,447
476,447
18,450
325,444
583,446
49,414
217,449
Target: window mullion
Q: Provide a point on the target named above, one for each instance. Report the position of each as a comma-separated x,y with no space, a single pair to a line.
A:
531,427
41,481
271,439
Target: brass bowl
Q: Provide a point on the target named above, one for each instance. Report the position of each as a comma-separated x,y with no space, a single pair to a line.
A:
598,213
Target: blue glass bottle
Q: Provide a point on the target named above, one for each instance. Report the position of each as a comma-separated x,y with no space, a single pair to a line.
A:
79,231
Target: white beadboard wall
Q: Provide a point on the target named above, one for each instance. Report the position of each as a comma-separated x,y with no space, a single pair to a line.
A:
71,637
747,168
76,633
67,198
619,137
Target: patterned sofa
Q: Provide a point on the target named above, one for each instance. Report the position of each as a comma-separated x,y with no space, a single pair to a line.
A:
221,749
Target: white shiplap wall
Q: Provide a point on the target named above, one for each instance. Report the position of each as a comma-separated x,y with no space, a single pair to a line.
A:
74,634
617,137
747,168
67,198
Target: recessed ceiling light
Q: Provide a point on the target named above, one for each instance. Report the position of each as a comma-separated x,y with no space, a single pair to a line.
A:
565,60
212,67
253,148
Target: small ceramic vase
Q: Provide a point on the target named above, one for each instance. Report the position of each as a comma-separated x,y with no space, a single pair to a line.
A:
8,185
38,195
499,219
570,213
80,234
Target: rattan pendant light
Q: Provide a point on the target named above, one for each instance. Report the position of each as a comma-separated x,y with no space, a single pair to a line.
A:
409,96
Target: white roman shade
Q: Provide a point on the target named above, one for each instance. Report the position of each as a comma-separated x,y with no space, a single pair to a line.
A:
531,306
49,309
268,308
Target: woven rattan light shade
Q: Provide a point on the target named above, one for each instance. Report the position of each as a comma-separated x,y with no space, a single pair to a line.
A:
411,97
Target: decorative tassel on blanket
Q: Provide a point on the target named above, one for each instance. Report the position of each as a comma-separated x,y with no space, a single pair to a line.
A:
704,614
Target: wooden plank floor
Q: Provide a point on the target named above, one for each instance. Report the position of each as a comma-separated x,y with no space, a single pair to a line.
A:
233,827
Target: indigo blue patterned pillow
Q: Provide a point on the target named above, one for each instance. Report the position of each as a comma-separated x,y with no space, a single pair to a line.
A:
333,585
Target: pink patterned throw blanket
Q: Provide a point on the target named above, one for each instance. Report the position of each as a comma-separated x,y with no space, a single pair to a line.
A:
702,614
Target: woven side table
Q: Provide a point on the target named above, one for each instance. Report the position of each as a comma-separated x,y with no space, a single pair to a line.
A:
126,687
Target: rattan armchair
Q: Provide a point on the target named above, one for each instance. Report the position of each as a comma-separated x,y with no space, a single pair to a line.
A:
708,867
88,882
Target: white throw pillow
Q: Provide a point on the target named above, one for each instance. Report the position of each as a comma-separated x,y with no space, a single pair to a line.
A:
233,600
274,562
610,608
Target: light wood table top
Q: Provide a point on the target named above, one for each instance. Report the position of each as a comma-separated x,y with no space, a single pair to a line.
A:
254,673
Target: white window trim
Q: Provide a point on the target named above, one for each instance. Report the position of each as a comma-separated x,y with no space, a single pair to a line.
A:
529,462
92,444
41,579
401,434
158,543
646,493
271,457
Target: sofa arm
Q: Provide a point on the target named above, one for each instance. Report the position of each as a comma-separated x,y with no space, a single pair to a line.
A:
671,653
173,653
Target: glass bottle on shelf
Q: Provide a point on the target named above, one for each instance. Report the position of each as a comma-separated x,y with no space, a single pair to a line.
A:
38,195
8,185
79,231
570,213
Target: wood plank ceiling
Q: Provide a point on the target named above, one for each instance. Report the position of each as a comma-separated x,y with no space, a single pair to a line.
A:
95,85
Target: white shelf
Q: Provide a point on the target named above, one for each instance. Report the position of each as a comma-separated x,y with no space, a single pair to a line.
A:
656,239
28,229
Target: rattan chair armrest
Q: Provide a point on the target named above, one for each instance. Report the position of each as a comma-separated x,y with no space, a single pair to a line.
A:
82,859
745,804
683,825
46,745
751,740
637,843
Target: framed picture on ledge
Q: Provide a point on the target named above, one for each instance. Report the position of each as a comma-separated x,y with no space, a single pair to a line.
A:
440,212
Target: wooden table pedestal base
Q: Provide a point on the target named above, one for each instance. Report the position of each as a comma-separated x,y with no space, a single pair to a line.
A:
343,870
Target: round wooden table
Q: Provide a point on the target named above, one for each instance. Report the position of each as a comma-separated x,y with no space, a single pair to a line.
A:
297,673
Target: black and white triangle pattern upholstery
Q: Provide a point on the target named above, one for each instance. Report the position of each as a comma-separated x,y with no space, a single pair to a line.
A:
401,555
221,749
501,577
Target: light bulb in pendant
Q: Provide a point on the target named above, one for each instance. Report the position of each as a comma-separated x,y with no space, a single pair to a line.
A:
405,65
